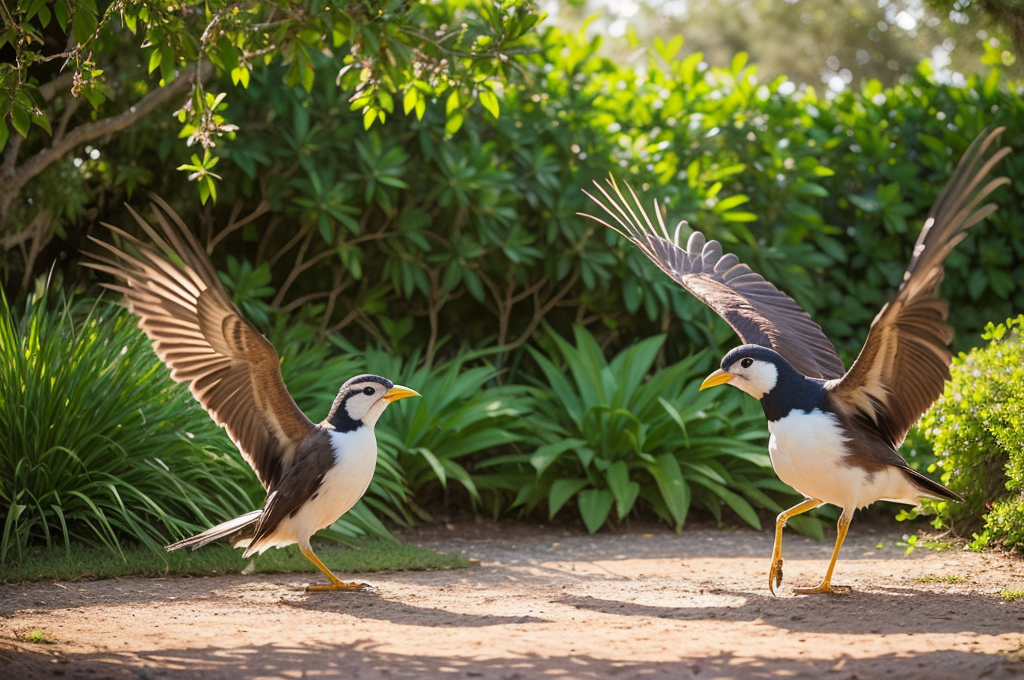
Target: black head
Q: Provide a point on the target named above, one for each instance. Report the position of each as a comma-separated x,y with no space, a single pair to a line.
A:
361,401
752,368
765,375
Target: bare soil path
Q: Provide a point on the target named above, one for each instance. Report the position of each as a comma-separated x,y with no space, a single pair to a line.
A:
544,603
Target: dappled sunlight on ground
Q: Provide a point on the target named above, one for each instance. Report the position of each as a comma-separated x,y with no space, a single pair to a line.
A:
546,604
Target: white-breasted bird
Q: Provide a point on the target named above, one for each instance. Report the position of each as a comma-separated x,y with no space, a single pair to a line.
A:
313,473
834,433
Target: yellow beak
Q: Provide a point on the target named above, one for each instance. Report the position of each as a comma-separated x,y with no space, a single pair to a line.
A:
719,377
398,392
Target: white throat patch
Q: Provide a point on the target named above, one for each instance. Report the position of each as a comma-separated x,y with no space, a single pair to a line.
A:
757,380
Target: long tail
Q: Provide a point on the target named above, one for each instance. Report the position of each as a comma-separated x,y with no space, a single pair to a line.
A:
932,489
232,526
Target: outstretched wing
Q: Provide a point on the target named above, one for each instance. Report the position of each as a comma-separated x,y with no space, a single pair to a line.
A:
904,363
759,312
202,337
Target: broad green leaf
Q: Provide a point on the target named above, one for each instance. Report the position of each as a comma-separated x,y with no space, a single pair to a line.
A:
410,99
545,455
21,120
453,124
490,102
561,491
595,504
622,487
452,104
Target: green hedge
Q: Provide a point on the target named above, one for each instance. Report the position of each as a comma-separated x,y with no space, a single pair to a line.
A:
977,429
405,236
479,232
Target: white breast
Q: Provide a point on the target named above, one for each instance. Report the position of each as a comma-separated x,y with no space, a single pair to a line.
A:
355,455
808,452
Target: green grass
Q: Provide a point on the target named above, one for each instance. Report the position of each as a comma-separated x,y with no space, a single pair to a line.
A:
944,578
99,445
1012,594
84,562
39,636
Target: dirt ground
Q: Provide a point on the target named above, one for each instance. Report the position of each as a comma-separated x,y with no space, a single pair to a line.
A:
546,603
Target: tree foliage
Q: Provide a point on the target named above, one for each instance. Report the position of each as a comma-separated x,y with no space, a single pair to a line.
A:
125,59
833,43
1008,13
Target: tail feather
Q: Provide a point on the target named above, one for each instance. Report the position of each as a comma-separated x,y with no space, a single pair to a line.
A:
930,488
232,526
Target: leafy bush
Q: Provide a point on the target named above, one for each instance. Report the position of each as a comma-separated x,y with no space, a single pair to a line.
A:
463,417
443,246
977,429
402,234
615,437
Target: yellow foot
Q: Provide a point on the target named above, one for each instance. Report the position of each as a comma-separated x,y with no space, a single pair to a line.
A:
826,588
341,585
775,575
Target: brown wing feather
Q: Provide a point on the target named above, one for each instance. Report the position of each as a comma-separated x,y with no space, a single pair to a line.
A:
759,312
904,363
202,337
299,484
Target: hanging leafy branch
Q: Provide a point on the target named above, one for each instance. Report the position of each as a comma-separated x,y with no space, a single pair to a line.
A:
54,54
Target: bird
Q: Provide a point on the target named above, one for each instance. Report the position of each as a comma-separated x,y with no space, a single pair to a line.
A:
834,433
312,473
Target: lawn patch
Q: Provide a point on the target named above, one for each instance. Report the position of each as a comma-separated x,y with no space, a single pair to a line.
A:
84,562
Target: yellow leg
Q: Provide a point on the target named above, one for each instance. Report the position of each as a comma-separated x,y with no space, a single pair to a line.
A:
775,572
826,583
336,583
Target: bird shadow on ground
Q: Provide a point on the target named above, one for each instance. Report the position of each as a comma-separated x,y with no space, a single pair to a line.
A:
271,662
883,611
371,605
234,592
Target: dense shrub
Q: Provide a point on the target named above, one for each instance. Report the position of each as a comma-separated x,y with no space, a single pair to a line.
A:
403,235
977,428
462,248
622,441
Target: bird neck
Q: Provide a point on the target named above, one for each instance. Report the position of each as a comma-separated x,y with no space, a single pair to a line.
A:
794,391
340,420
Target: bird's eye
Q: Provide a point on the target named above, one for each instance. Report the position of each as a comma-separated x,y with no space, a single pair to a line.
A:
745,363
368,391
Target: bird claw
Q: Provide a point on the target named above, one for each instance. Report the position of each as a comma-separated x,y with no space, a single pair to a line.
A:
775,575
824,588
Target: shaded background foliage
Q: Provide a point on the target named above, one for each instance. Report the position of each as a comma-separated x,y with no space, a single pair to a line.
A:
477,237
834,44
456,259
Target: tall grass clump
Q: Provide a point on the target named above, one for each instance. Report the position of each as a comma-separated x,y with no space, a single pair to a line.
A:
99,445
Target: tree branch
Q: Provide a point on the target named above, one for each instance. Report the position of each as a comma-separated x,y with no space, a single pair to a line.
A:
12,183
233,225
